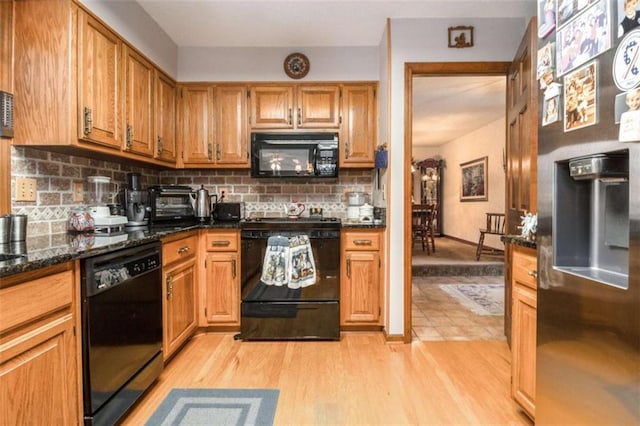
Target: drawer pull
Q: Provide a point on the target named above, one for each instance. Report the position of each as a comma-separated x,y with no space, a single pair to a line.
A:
349,268
533,274
220,243
362,242
183,250
233,269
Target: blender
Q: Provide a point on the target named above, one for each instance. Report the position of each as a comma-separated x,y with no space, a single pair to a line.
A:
100,193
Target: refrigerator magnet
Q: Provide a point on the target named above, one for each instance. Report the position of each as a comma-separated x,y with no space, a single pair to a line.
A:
630,119
626,62
580,100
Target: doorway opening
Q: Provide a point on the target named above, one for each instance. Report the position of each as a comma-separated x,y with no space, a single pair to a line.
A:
430,278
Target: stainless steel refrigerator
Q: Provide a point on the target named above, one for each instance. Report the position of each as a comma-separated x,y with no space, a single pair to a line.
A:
588,306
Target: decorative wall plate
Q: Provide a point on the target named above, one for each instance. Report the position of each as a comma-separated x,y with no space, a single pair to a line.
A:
296,65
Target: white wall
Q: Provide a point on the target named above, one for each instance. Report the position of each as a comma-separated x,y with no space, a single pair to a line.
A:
425,40
463,219
266,64
129,20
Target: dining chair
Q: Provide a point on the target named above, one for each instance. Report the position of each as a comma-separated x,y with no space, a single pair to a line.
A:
494,225
419,219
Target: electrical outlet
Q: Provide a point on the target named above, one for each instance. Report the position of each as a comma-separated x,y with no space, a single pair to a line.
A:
78,192
26,189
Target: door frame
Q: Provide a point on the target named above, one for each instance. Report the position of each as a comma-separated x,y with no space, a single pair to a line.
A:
429,69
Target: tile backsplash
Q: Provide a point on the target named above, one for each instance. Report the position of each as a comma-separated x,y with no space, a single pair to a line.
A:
56,173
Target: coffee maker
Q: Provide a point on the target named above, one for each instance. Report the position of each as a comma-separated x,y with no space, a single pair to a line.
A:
135,202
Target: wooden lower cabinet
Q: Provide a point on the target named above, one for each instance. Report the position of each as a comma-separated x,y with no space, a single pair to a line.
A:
40,348
523,332
361,277
220,287
179,282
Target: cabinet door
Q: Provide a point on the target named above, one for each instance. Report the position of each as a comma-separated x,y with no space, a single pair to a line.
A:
38,379
523,347
231,146
6,84
99,70
222,289
318,107
180,305
271,107
522,134
196,125
165,118
138,96
360,292
358,136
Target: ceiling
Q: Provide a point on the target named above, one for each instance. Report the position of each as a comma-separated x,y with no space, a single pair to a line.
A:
444,108
298,23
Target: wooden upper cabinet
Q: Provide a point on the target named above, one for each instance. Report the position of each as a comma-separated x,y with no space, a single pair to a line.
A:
165,118
195,124
303,106
138,97
6,84
318,107
358,131
271,107
231,143
6,46
99,71
213,125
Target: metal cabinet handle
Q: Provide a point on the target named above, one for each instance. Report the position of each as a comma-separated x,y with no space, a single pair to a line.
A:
299,116
233,269
210,151
183,250
160,145
349,267
290,116
169,287
346,151
533,274
218,153
362,242
220,243
88,121
129,136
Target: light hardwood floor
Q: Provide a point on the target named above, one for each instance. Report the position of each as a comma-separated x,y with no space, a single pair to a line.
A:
360,380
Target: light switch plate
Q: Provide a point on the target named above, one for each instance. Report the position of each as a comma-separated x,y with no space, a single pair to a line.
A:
78,191
26,189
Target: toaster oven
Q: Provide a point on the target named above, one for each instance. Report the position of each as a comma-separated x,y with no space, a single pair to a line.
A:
171,205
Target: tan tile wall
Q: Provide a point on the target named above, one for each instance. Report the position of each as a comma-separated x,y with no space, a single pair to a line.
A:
55,174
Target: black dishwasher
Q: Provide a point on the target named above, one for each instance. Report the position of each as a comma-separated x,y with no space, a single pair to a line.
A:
121,329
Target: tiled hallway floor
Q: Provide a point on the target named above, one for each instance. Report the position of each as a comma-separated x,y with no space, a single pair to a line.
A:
437,316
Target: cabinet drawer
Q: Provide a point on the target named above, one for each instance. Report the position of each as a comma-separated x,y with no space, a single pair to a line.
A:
35,299
179,249
222,241
361,241
525,267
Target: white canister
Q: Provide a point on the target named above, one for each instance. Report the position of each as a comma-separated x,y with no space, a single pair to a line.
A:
366,213
353,213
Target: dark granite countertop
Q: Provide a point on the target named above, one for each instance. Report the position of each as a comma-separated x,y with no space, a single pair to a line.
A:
48,250
519,241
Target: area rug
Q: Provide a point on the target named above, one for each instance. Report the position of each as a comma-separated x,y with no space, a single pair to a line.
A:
482,299
186,407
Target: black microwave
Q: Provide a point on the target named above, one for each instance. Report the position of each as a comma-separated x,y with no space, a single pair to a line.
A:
294,155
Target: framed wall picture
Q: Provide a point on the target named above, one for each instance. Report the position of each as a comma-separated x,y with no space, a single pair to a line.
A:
461,36
474,180
546,17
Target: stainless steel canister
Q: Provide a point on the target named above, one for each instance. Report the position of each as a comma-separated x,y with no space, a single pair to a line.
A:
5,229
18,227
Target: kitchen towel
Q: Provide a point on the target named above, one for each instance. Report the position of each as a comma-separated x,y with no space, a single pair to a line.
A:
289,261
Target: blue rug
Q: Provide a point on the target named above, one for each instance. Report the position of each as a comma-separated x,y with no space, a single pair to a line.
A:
482,299
216,407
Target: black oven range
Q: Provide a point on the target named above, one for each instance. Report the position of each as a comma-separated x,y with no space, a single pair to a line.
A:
290,279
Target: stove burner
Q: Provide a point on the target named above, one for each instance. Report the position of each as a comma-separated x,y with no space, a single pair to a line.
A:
291,220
